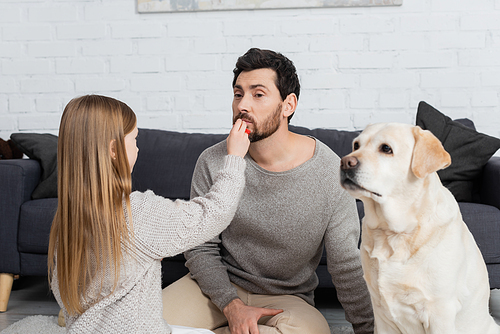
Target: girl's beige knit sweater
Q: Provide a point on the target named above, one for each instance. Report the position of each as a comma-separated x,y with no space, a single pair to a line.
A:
162,228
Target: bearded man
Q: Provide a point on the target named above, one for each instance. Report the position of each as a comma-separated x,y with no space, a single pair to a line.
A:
259,275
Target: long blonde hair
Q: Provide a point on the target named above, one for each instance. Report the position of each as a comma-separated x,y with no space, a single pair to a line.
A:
90,221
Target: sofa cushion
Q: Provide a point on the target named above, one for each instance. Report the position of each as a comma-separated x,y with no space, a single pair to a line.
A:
34,225
41,147
160,153
494,275
483,222
469,150
167,159
174,154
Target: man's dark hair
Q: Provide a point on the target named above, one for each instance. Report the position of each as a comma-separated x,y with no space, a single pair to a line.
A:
287,80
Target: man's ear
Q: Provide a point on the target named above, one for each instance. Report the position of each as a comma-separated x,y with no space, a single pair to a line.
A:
289,105
112,149
429,154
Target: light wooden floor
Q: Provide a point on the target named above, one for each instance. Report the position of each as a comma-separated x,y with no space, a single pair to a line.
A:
31,296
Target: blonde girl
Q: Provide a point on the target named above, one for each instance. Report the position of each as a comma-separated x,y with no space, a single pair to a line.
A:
106,243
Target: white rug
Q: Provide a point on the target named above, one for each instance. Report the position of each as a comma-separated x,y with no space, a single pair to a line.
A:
36,324
41,324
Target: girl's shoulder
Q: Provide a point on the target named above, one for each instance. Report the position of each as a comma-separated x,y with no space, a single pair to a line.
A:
138,196
141,201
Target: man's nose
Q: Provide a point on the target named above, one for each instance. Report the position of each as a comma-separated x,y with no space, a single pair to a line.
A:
244,105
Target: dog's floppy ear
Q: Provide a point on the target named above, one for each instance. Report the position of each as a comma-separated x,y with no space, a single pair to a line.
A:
429,154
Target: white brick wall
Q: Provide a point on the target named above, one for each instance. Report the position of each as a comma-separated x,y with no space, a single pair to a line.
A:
356,65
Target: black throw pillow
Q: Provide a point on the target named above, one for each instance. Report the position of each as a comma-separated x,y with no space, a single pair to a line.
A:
41,147
469,150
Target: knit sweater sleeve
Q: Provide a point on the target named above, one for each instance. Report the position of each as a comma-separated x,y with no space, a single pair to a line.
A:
204,261
164,228
344,264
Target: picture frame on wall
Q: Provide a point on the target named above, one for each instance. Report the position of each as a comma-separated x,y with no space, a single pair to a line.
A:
154,6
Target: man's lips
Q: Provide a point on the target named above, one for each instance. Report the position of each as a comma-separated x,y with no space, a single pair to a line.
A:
244,117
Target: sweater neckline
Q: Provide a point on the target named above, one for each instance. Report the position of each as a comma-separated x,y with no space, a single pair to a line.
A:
297,169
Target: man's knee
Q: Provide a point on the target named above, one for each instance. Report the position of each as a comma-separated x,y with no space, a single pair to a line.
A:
299,317
185,305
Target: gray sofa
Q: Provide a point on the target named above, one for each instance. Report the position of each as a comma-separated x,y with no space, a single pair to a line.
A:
165,165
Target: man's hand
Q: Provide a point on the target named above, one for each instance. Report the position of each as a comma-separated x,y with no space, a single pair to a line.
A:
242,319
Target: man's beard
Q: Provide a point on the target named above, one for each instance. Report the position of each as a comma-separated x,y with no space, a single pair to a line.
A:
269,126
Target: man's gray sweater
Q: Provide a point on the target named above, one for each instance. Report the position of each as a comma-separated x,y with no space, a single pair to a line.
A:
275,241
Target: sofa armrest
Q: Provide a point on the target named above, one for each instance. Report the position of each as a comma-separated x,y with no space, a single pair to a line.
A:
490,184
18,179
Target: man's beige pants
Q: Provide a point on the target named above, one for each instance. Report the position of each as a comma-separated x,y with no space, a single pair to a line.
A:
185,305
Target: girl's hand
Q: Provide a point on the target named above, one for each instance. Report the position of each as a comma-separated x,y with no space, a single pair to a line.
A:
237,141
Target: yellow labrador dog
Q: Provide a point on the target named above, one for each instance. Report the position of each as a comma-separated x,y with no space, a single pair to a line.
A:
422,266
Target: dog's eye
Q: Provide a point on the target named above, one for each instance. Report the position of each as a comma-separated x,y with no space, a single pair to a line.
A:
386,149
356,146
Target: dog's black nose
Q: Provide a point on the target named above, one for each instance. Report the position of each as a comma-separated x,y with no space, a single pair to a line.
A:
348,162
